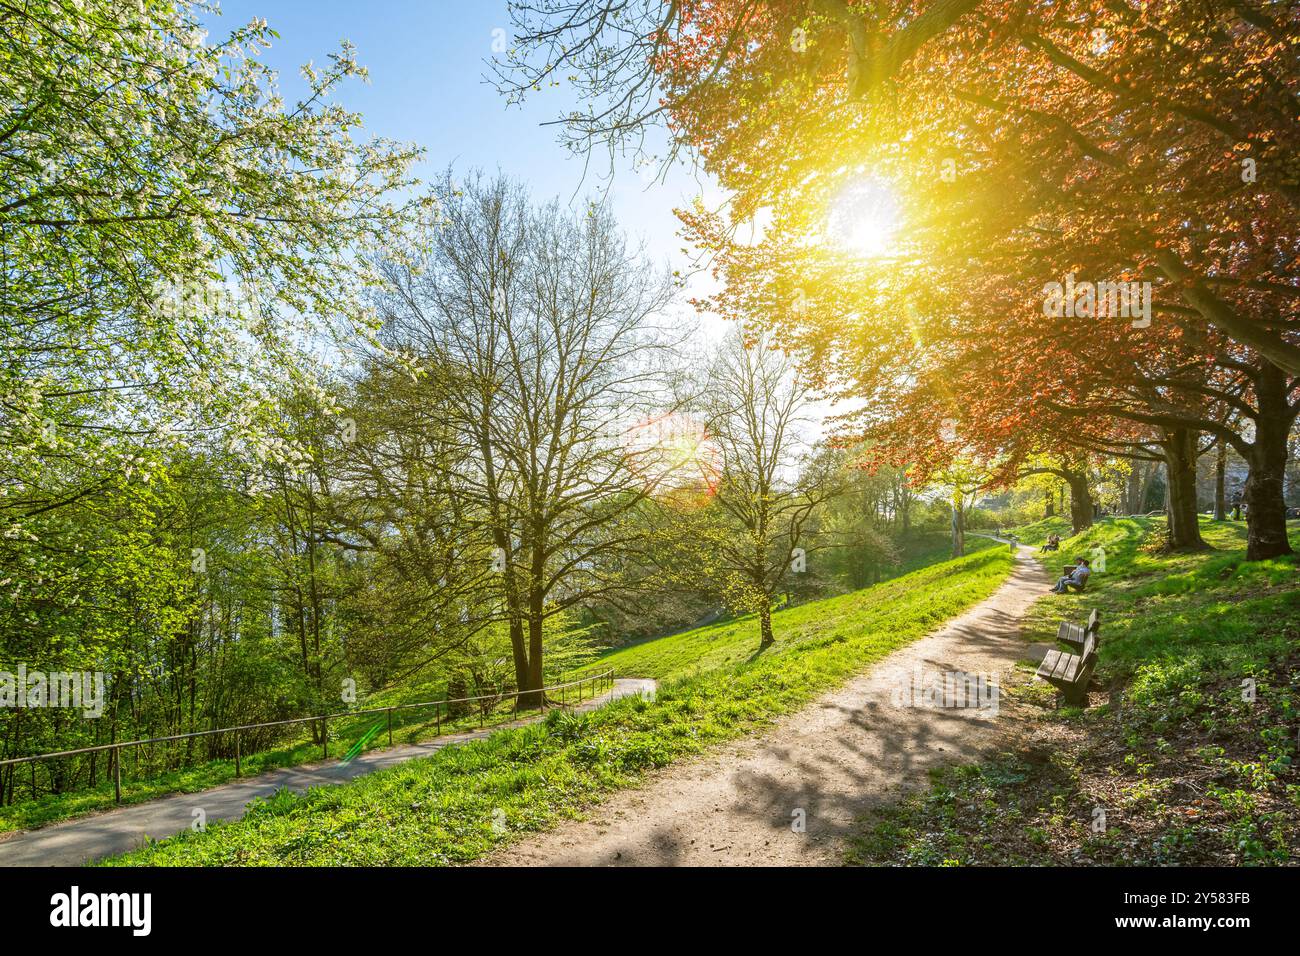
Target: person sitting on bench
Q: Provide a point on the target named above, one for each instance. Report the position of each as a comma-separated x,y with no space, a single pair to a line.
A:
1076,577
1053,543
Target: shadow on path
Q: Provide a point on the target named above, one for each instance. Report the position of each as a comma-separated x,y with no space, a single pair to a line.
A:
795,795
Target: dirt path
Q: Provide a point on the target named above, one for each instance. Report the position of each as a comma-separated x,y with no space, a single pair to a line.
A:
826,765
82,840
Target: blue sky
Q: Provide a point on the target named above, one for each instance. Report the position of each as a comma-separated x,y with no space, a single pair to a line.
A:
426,62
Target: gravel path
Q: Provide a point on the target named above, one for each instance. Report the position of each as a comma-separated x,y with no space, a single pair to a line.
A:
824,767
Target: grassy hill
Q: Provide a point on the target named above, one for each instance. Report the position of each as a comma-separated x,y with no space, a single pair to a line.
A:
456,805
1187,751
733,642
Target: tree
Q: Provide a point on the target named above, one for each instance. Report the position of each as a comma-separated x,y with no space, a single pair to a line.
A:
770,96
1073,470
538,326
757,527
169,228
960,482
176,240
868,520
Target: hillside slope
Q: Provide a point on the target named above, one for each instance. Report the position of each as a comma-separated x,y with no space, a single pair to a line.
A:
456,805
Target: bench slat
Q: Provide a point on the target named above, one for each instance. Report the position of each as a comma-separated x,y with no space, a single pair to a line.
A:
1071,673
1049,663
1062,666
1071,634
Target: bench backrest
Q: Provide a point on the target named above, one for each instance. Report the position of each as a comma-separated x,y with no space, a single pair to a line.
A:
1089,648
1094,622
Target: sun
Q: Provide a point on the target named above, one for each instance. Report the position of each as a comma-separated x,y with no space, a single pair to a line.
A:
863,219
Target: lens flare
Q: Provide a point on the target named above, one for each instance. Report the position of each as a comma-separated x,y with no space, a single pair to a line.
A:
673,451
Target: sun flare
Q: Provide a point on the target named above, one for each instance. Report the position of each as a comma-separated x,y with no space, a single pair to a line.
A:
864,218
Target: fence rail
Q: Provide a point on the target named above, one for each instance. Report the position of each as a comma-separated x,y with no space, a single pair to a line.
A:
595,682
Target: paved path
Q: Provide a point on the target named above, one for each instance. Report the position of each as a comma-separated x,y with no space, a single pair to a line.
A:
825,766
79,841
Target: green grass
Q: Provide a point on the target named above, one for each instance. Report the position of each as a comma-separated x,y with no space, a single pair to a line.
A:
1187,768
732,642
459,803
923,548
1037,532
1170,616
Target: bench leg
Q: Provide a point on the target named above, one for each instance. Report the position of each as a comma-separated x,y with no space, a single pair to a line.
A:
1077,695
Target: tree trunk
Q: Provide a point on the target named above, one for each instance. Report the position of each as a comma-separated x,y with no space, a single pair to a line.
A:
533,679
1266,535
1180,461
1049,509
765,626
958,530
1081,506
1220,482
523,675
1133,497
1148,480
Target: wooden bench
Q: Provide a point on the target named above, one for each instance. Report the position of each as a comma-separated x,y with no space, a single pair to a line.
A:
1075,635
1071,673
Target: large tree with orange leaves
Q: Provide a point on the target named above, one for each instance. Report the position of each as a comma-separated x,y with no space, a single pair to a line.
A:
1114,141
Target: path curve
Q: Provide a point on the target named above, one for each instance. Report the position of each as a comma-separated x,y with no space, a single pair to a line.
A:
826,765
79,841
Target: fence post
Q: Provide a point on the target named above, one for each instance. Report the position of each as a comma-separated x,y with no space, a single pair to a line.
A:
238,767
437,716
325,737
390,726
117,774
